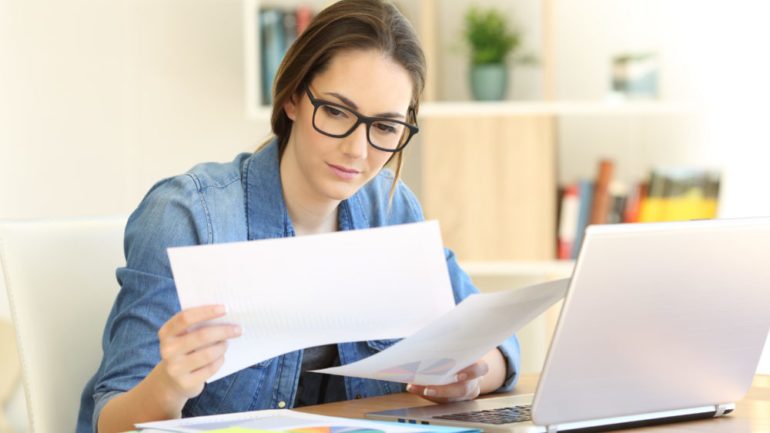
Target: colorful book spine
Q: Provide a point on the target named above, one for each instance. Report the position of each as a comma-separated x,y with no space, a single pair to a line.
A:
601,203
652,207
586,195
304,15
618,193
568,221
681,195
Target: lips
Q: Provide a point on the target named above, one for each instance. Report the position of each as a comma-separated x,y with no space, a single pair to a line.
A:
343,173
344,169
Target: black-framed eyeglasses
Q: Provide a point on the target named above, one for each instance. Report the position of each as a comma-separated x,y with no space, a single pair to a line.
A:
338,121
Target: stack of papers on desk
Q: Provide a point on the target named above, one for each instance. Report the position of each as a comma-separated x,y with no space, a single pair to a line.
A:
285,420
383,283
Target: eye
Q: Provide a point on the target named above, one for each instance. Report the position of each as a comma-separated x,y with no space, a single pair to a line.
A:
385,127
333,112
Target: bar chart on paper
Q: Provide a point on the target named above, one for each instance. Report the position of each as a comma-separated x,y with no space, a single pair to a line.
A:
408,372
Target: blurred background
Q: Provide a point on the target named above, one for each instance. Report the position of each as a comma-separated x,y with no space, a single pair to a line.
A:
587,111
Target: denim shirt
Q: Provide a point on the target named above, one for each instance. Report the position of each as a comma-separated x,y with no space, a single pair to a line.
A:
227,202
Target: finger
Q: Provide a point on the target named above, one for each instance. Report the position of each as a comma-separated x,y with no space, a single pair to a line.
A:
472,372
458,391
476,370
183,320
204,356
180,368
415,389
198,339
202,374
192,383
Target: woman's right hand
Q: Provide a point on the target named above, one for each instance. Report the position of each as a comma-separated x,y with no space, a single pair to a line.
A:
190,353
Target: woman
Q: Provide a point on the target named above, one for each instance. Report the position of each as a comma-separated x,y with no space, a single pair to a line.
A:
346,97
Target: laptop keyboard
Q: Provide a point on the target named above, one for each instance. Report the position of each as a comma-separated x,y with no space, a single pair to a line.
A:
503,415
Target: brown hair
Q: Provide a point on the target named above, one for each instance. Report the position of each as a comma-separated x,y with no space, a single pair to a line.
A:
345,25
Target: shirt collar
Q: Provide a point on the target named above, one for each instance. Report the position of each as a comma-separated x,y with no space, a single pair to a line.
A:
266,212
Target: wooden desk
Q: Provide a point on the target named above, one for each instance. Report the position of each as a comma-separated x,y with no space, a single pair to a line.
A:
752,414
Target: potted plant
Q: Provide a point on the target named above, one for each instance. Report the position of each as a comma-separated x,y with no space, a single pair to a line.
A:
491,40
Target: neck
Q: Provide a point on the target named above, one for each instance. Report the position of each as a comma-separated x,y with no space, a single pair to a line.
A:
308,220
309,213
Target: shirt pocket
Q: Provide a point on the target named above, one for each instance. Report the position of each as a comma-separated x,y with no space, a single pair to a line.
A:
380,345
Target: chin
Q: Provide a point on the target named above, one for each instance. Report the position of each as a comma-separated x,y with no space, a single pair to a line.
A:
340,192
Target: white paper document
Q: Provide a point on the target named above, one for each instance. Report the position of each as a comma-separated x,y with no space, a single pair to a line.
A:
435,354
291,293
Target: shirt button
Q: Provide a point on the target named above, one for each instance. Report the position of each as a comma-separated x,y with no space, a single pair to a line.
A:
358,396
281,404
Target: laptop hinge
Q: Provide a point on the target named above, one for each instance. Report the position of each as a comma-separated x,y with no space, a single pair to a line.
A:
721,409
551,429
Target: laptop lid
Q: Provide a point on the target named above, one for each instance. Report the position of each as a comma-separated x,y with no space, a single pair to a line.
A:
658,317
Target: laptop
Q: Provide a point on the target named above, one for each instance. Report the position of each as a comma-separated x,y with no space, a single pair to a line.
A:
662,322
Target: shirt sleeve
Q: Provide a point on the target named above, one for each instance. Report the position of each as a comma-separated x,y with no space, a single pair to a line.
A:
172,214
101,400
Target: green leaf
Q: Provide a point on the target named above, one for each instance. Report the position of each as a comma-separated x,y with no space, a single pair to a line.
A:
489,36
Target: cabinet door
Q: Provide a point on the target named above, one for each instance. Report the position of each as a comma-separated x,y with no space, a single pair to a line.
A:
491,182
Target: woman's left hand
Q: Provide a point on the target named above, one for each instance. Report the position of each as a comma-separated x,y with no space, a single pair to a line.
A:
467,386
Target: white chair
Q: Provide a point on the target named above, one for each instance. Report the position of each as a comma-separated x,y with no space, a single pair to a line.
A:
60,277
10,370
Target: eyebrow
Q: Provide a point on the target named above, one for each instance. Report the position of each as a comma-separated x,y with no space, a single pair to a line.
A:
353,105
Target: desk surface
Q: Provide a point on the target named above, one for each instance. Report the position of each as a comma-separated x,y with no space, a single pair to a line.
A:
752,414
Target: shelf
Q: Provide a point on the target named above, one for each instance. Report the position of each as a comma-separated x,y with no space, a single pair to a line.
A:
556,108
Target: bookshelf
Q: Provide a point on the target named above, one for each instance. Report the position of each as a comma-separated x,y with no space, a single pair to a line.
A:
490,171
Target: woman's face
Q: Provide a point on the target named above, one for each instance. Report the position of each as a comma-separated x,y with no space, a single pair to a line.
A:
368,82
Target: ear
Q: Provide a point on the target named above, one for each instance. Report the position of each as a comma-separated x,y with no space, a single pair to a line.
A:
290,107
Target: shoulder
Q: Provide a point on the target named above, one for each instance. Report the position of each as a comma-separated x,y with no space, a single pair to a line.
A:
187,193
179,210
217,174
374,200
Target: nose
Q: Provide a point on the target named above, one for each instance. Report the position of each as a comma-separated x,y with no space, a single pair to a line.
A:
356,145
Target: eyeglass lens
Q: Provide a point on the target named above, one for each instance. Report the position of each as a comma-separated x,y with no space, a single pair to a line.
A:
336,120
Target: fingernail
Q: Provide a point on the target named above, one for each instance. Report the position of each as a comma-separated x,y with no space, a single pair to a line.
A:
461,377
237,330
409,387
219,309
428,392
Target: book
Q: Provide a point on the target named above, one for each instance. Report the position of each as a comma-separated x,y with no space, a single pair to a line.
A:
618,196
568,221
680,194
289,29
651,208
601,203
273,46
586,197
303,17
633,202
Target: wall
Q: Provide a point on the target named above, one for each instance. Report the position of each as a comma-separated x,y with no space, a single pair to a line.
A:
99,99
